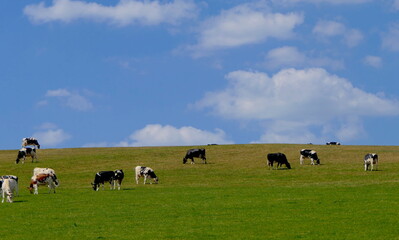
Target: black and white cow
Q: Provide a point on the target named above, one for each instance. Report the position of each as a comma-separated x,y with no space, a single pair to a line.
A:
311,154
118,178
195,153
370,159
279,158
26,152
333,143
30,142
145,172
101,178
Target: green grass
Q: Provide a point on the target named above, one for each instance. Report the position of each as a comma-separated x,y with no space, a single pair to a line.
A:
235,196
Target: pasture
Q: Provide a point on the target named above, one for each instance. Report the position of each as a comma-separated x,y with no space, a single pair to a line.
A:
234,196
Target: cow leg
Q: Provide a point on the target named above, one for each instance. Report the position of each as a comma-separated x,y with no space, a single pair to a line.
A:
301,159
145,179
372,166
137,179
35,187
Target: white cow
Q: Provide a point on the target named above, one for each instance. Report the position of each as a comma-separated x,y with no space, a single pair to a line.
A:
8,187
370,159
43,179
145,172
16,191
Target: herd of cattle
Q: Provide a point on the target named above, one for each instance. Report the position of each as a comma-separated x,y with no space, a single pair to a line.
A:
47,176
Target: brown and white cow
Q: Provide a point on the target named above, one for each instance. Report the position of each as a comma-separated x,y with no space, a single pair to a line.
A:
43,179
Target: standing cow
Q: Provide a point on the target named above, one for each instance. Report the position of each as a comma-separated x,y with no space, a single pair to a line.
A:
101,178
26,152
370,159
118,178
195,153
279,158
311,154
30,142
145,172
2,178
8,187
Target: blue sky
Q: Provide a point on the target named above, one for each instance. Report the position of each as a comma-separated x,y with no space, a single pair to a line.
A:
180,72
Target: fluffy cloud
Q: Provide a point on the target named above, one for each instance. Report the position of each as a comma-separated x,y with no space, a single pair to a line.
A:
124,13
390,39
311,98
245,24
291,57
70,99
50,135
327,29
373,61
158,135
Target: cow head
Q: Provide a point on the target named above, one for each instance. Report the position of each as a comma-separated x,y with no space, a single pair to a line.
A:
184,160
95,186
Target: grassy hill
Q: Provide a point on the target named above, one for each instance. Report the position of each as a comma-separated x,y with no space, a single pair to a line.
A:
234,196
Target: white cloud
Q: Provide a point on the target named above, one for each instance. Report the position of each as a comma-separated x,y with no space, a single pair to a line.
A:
125,12
373,61
328,29
245,24
50,135
311,97
288,56
395,5
70,99
159,135
390,39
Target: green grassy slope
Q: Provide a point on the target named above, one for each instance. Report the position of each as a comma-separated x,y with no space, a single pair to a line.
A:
235,196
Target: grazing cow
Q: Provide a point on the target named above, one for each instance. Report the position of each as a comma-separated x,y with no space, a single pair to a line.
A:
8,187
279,158
9,177
101,178
145,172
30,142
43,179
333,143
370,159
119,175
26,152
311,154
195,153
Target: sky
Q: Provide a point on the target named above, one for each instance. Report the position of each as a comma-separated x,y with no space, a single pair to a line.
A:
126,73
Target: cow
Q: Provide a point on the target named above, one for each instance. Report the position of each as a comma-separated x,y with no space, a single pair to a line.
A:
26,152
30,142
37,171
118,177
333,143
195,153
8,187
43,179
101,178
9,177
311,154
279,158
370,159
145,172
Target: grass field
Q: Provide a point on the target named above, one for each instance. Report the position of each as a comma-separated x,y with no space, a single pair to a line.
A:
235,196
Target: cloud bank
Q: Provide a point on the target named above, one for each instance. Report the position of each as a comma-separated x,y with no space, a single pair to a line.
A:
293,102
125,12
